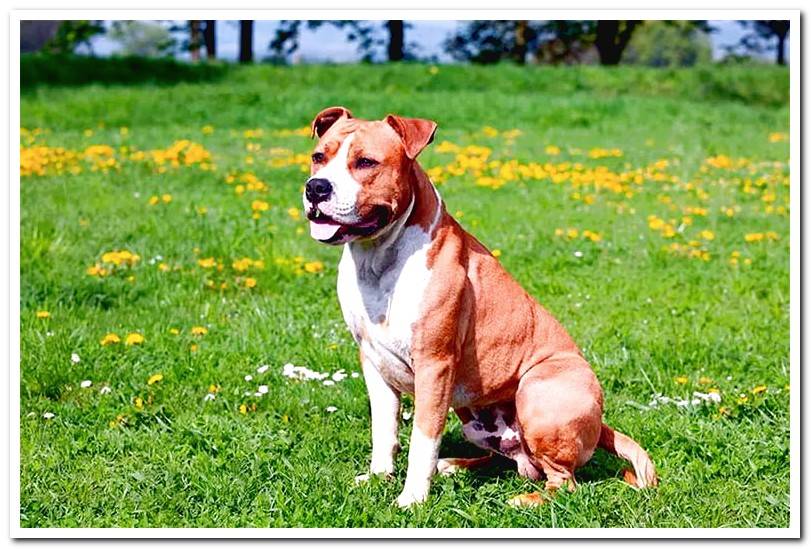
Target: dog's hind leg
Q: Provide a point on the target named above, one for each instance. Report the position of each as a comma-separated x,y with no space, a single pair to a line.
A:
559,410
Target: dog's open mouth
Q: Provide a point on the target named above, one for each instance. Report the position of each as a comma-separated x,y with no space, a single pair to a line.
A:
329,231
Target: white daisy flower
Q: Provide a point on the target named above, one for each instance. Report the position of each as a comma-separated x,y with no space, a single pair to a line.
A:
75,358
263,389
331,409
86,383
105,390
262,369
248,378
48,415
328,382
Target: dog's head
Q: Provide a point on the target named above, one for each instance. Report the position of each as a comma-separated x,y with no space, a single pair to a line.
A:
360,176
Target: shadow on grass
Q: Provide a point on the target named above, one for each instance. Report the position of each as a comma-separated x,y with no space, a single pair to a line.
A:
601,466
40,69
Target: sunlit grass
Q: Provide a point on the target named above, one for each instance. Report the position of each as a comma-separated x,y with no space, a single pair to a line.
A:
167,278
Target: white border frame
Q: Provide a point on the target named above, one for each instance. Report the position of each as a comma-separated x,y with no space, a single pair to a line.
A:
793,530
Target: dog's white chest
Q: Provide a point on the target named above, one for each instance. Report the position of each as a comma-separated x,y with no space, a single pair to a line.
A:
381,293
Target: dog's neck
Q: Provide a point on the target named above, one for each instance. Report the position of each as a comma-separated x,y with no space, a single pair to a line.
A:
373,257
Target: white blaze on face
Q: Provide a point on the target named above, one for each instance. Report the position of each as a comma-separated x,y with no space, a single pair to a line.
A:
342,204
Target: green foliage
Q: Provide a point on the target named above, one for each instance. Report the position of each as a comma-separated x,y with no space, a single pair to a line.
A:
669,44
142,38
643,317
38,69
71,34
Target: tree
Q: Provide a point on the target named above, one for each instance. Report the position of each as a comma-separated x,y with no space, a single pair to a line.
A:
365,33
612,37
670,44
246,41
142,38
492,41
210,39
72,34
761,37
194,40
396,40
564,41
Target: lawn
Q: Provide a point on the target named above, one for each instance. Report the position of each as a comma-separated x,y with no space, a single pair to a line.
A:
647,210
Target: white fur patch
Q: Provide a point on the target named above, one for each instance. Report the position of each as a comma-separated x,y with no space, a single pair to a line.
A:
385,404
423,453
381,289
342,205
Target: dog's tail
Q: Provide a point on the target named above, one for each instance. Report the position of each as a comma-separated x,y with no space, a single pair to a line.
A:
643,475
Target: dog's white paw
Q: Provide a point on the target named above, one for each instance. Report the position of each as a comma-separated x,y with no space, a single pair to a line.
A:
446,468
408,498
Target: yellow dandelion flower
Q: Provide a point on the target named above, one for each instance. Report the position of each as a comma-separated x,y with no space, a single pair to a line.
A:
314,267
294,213
134,339
703,380
207,263
243,409
166,198
496,253
250,282
199,330
754,237
174,331
259,206
552,150
707,234
759,389
193,348
139,403
110,339
43,314
207,129
681,380
154,378
153,200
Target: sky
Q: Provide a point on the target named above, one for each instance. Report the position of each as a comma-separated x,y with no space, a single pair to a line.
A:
329,44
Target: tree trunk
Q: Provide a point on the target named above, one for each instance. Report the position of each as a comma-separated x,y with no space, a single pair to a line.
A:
210,38
246,41
520,49
396,40
781,49
194,40
611,40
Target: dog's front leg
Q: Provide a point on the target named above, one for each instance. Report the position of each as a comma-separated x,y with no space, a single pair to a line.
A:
385,404
432,394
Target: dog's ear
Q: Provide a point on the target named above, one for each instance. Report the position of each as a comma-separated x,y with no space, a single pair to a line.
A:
415,133
326,118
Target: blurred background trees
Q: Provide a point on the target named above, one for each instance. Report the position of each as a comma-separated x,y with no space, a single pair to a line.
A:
605,42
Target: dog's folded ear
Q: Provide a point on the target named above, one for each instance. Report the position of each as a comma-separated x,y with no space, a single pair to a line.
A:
415,133
326,118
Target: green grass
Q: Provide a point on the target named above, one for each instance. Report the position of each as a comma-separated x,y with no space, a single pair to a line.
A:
644,317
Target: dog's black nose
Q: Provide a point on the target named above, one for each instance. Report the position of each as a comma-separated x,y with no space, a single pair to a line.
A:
318,190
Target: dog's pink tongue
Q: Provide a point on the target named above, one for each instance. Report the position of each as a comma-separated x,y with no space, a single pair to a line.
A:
323,231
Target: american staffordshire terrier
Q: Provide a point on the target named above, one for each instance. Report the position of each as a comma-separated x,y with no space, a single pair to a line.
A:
435,315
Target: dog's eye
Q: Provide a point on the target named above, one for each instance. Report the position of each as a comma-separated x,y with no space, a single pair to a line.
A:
363,163
318,158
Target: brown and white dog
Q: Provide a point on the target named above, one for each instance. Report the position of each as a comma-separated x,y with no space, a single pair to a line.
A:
435,315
